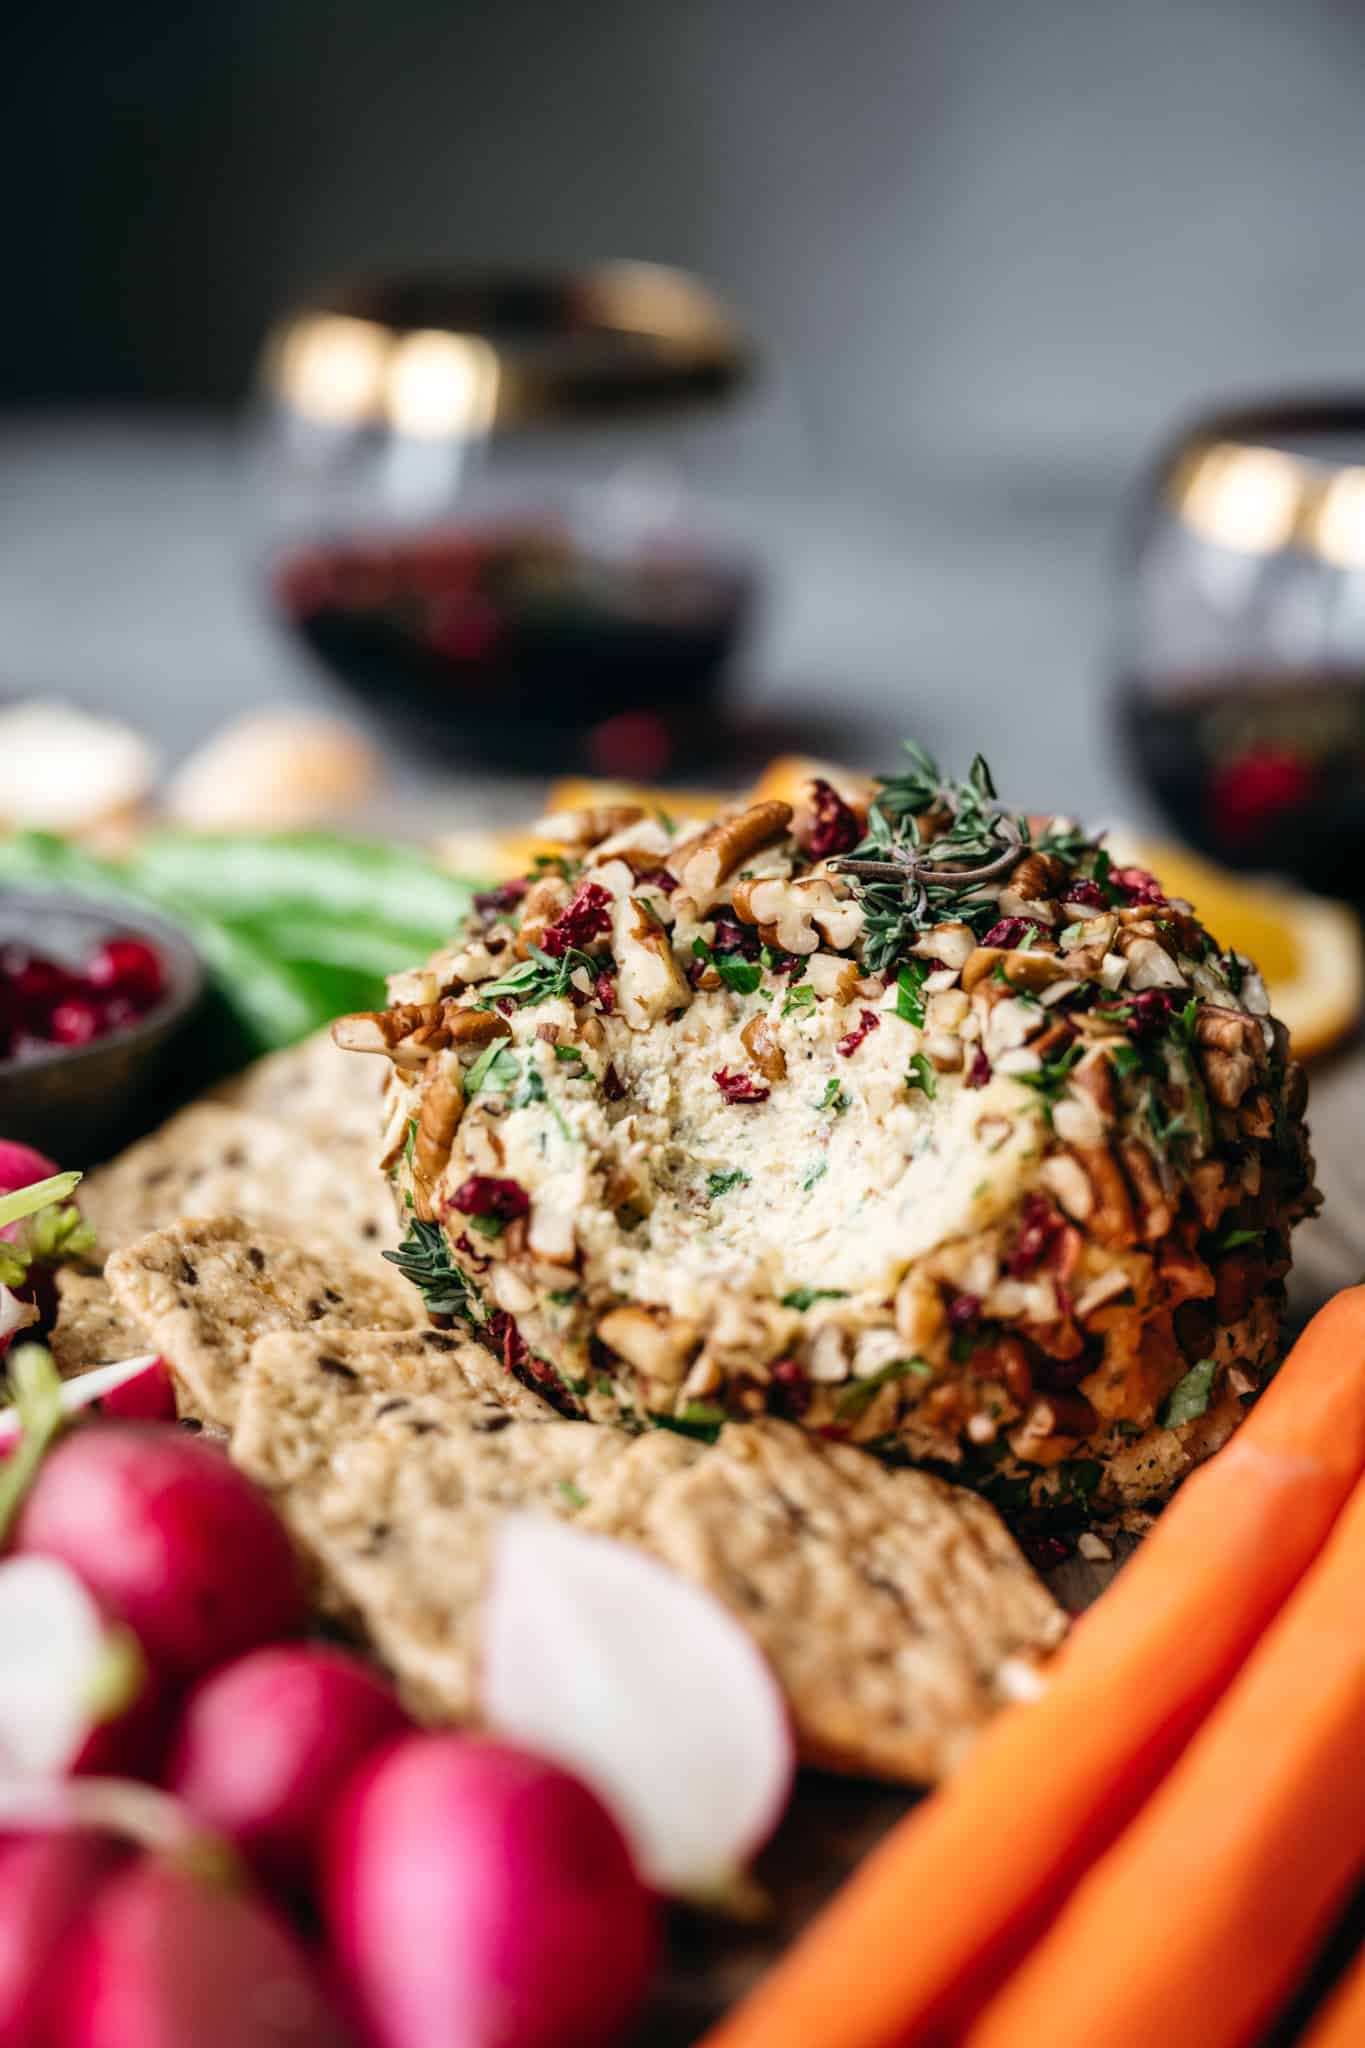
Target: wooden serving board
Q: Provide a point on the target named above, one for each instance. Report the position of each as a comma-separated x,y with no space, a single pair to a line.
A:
834,1822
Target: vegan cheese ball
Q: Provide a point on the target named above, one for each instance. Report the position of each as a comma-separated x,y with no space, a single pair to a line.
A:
903,1115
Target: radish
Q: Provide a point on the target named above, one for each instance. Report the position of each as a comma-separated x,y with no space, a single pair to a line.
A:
64,1670
39,1226
165,1959
21,1166
646,1687
478,1897
46,1882
131,1390
170,1537
264,1744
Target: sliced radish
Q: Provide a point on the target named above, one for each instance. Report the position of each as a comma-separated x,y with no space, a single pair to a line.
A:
647,1688
133,1388
63,1669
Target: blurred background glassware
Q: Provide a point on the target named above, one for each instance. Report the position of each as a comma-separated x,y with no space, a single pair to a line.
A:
505,511
1242,630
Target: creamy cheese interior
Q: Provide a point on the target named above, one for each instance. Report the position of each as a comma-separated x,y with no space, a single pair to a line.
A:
840,1177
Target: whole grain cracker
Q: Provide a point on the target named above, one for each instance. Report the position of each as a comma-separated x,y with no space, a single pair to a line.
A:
205,1290
91,1328
328,1095
213,1160
392,1494
897,1612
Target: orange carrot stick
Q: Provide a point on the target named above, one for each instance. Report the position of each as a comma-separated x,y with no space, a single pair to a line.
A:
1341,2022
1197,1923
914,1942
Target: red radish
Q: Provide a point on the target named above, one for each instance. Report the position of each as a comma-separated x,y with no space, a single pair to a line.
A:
165,1959
170,1537
20,1166
264,1744
589,1649
46,1882
65,1669
478,1897
132,1390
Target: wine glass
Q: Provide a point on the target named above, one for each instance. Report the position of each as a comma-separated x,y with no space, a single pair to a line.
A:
1242,693
507,512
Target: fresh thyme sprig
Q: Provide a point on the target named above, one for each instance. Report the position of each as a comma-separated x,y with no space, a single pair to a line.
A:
424,1258
907,879
542,976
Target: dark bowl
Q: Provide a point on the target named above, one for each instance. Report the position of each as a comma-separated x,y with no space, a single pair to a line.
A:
79,1103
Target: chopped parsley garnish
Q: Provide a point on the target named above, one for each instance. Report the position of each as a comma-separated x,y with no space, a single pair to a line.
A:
718,1184
542,976
487,1226
424,1258
909,991
692,1424
1125,1059
1189,1397
569,1054
806,1297
922,1075
814,1170
835,1096
574,1495
802,997
532,1090
1235,1239
1080,1477
1052,1076
1071,935
562,1296
857,1398
497,1069
737,973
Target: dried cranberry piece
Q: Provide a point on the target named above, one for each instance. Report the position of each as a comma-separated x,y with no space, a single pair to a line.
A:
511,1346
466,1248
1044,1552
490,902
613,1087
1084,891
1011,931
979,1072
604,988
1039,1225
485,1195
1146,1013
833,828
585,918
963,1311
656,878
739,1087
791,1387
868,1020
129,968
734,937
1137,885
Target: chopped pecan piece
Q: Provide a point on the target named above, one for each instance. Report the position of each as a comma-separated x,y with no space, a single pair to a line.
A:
760,1042
703,864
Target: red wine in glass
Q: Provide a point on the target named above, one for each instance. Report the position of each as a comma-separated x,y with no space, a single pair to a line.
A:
1264,770
515,642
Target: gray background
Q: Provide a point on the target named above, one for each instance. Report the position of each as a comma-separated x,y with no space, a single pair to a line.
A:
999,248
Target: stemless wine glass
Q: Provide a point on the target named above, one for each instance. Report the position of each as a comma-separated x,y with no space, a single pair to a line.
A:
506,511
1242,696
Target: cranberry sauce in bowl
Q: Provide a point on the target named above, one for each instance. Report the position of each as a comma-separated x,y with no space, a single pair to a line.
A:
91,1000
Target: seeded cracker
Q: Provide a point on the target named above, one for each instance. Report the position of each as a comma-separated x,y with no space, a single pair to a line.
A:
204,1291
390,1469
216,1161
91,1329
314,1089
